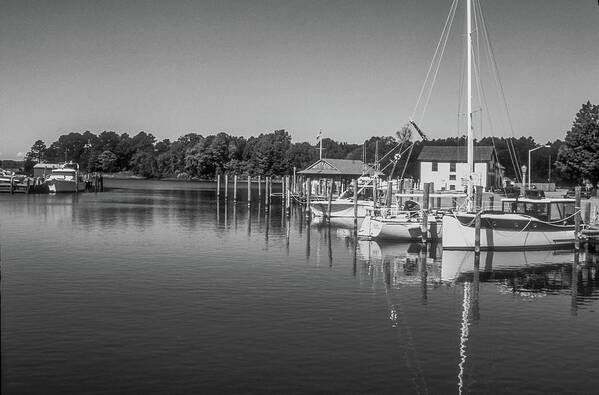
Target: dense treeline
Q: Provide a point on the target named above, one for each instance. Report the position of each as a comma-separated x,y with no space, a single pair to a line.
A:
194,156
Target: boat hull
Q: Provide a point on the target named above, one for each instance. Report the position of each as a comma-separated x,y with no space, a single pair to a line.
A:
57,186
340,208
504,232
398,228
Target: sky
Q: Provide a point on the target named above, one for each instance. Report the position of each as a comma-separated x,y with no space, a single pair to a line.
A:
353,69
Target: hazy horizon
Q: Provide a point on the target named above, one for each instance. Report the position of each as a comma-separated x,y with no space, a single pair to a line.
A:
351,69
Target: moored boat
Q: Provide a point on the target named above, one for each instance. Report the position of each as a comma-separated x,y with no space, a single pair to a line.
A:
521,224
66,179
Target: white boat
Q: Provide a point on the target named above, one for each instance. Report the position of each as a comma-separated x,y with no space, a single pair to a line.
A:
403,226
521,224
342,207
66,179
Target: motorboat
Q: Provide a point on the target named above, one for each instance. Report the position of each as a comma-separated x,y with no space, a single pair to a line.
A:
521,224
66,178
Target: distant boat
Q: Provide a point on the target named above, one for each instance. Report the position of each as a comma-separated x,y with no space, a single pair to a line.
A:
66,179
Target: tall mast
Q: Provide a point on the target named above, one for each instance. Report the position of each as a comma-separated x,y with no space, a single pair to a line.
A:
469,114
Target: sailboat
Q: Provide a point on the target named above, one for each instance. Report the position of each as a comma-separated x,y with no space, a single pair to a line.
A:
522,223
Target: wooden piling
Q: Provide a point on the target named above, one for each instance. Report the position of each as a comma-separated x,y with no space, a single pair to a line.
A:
355,185
235,188
454,202
259,188
424,211
587,213
226,186
218,186
389,196
477,207
249,190
266,194
12,184
308,193
577,218
375,192
288,199
491,202
330,199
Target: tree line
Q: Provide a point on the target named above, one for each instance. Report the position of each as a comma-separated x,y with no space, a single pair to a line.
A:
195,156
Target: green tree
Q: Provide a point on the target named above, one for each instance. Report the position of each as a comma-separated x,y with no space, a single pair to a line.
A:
579,155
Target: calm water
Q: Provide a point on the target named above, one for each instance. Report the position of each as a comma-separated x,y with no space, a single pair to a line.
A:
157,289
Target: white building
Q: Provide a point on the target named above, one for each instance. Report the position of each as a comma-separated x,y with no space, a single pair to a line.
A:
447,169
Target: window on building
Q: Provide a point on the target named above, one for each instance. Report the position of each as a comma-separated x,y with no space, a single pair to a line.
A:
435,166
452,167
452,187
452,177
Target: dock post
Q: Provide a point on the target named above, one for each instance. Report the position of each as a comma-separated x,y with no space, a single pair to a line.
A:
587,213
226,186
218,186
308,192
12,184
294,180
389,197
477,207
577,218
259,188
355,185
266,194
454,202
438,202
330,199
424,211
249,189
492,202
235,188
283,192
288,197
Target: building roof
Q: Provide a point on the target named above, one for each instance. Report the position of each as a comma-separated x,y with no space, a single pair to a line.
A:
432,153
46,166
338,167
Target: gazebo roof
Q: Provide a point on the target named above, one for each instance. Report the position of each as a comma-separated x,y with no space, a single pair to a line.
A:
338,168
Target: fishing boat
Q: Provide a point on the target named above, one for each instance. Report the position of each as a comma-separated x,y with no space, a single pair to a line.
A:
66,179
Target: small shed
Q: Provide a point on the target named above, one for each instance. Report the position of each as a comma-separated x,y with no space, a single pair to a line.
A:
44,169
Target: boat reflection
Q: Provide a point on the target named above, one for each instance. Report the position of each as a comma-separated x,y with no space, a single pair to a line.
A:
403,263
458,266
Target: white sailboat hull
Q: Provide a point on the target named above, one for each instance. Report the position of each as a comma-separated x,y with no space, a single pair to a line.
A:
399,228
521,232
340,208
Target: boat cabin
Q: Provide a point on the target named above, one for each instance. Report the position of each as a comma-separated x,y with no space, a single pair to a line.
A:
549,210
